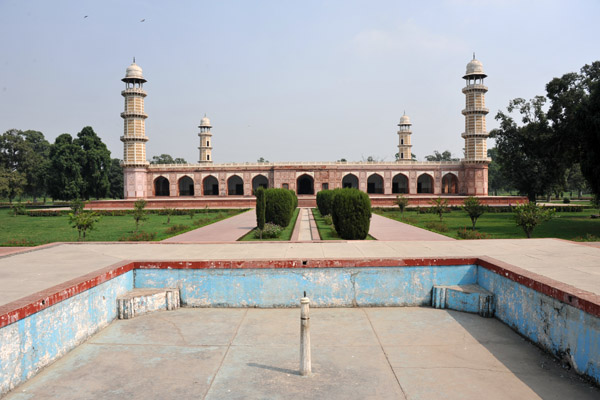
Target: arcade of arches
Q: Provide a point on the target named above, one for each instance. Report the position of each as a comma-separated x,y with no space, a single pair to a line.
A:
305,185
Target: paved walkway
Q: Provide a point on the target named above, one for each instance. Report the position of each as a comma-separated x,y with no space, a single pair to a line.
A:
357,353
306,228
383,228
227,230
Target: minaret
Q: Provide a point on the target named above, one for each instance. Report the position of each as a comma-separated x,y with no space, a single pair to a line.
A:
205,141
475,133
134,134
404,132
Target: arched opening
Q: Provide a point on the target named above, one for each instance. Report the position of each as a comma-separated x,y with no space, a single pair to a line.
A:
450,184
161,186
305,184
259,181
235,186
375,184
186,186
400,184
425,184
350,181
210,186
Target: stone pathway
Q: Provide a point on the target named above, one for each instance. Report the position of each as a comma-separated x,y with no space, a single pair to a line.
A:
306,228
227,230
383,228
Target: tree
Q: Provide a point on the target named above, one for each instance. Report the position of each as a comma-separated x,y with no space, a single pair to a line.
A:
437,156
139,213
36,164
95,164
575,113
13,153
402,203
413,157
496,179
439,206
530,215
83,222
474,208
575,180
528,155
260,209
262,160
65,181
115,179
167,159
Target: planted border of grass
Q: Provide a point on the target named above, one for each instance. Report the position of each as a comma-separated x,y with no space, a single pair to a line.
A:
23,230
286,234
565,225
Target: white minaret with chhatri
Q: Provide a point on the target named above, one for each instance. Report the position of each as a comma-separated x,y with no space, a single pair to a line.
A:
134,133
205,141
404,132
475,133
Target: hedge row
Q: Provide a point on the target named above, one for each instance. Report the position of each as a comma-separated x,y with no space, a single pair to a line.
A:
119,213
279,206
351,213
489,209
325,201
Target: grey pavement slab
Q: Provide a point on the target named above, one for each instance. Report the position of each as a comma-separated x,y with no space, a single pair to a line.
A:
357,353
227,230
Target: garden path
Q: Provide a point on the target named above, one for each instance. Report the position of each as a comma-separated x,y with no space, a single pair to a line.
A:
227,230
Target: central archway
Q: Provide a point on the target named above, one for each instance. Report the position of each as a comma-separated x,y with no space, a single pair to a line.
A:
235,186
186,186
210,186
350,181
305,184
450,184
161,186
375,184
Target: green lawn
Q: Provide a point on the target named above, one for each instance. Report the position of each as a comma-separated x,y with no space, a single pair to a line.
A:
564,225
286,234
23,230
327,232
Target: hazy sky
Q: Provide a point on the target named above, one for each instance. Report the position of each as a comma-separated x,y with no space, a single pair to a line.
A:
285,80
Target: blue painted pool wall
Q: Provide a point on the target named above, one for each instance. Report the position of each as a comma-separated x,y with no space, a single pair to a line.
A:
33,342
326,287
565,331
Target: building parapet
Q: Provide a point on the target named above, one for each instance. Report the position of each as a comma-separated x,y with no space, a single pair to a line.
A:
309,163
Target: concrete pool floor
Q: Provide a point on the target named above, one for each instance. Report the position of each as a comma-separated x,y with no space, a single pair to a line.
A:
358,353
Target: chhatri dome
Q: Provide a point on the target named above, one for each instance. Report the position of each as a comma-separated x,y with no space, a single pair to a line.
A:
474,69
134,71
404,120
205,121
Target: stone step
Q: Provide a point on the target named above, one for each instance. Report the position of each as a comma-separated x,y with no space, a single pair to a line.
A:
143,301
467,298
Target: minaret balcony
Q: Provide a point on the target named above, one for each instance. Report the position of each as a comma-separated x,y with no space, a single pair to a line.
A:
465,135
475,110
475,87
134,114
134,91
134,138
205,148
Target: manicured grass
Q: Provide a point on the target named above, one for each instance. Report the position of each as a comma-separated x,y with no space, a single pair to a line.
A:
564,225
327,232
286,234
23,230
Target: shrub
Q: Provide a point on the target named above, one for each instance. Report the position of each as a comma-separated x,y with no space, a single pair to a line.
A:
83,222
294,199
279,206
77,206
139,214
138,237
474,208
439,206
270,231
19,209
325,201
402,203
191,213
436,226
351,214
176,228
18,243
327,219
465,233
260,207
169,213
529,215
566,200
